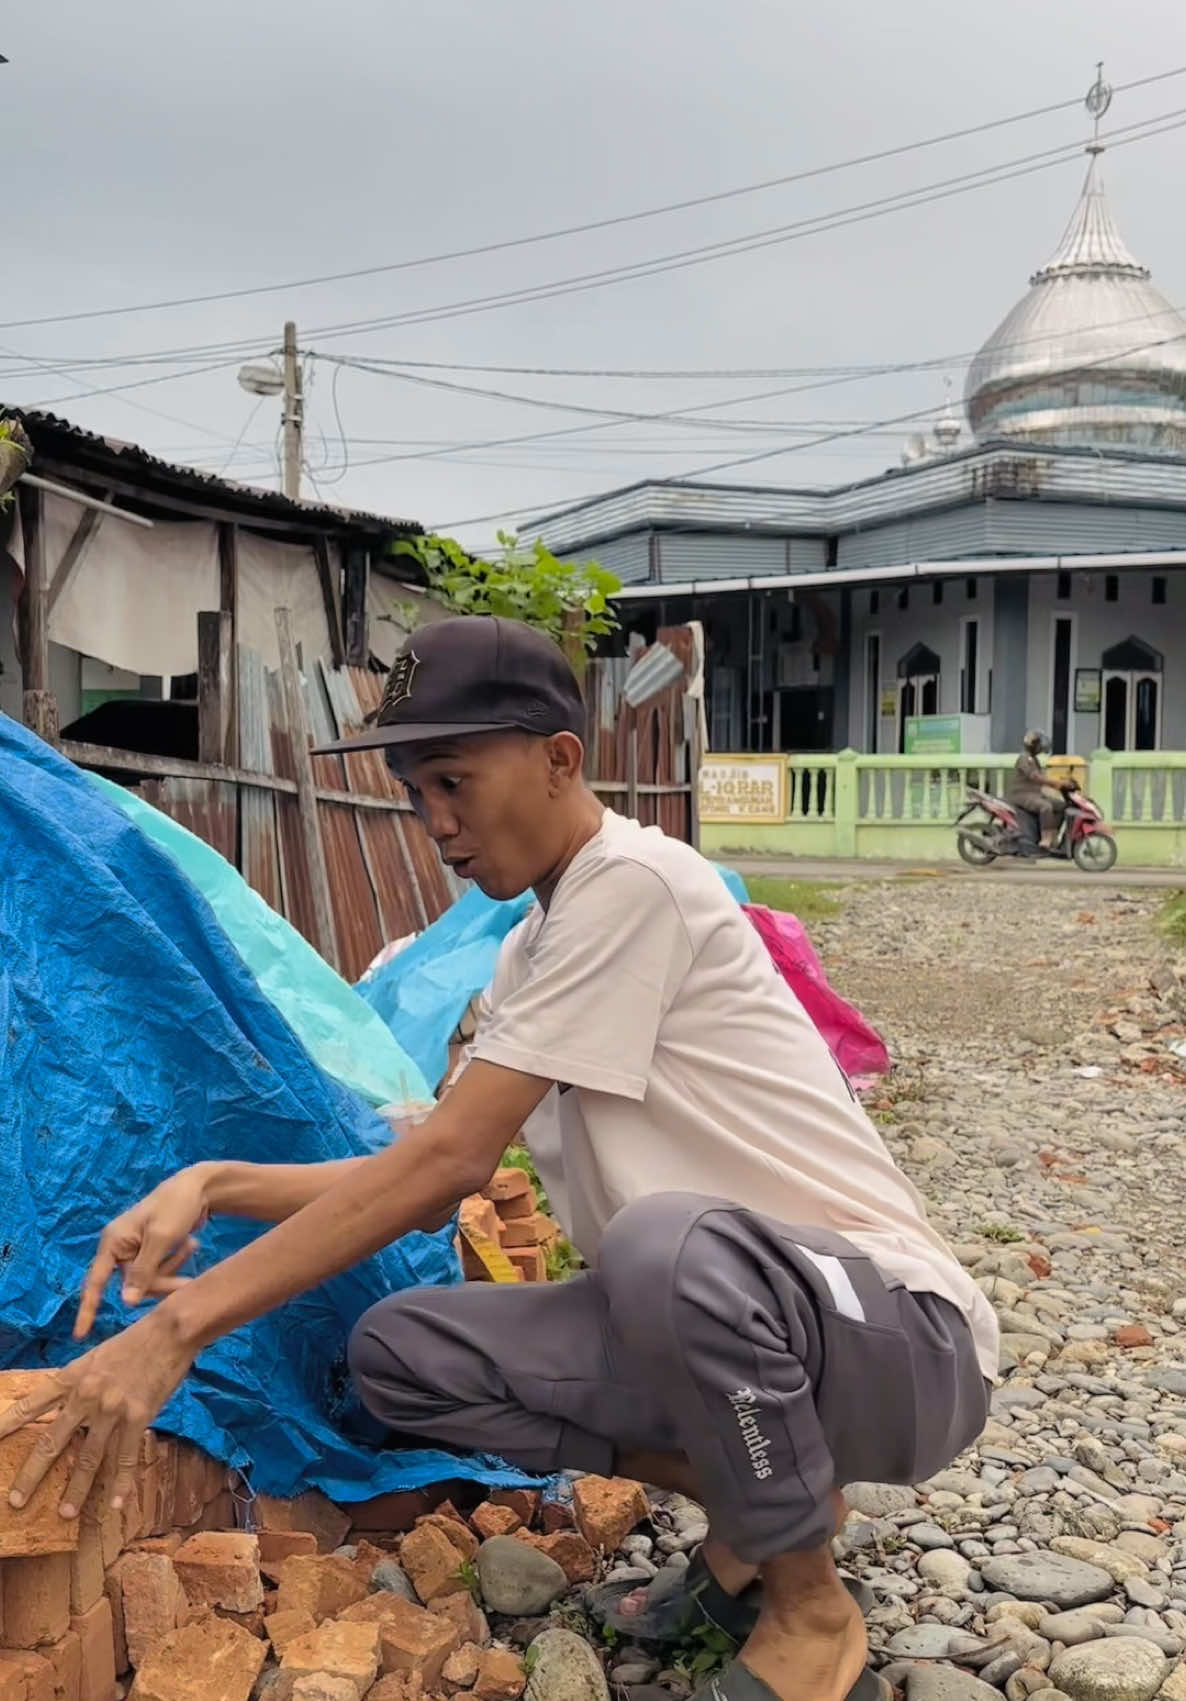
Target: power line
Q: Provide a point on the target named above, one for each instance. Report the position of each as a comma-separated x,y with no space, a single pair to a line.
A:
591,225
656,265
558,506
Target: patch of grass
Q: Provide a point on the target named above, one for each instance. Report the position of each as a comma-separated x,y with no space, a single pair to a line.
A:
1174,918
562,1260
810,900
1003,1233
468,1572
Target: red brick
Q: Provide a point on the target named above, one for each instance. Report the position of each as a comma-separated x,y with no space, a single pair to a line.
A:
65,1658
320,1584
114,1594
529,1261
37,1528
466,1617
157,1544
512,1209
339,1650
556,1516
572,1554
12,1678
86,1567
311,1511
281,1628
207,1660
221,1569
491,1520
390,1511
94,1631
460,1670
432,1562
1132,1335
509,1183
608,1508
36,1600
501,1676
457,1534
152,1600
275,1546
535,1230
524,1501
411,1639
39,1678
189,1492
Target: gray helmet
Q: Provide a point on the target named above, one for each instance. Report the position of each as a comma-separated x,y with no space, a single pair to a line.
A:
1036,743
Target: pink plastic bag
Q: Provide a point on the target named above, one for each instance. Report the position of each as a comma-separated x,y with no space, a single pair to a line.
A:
857,1047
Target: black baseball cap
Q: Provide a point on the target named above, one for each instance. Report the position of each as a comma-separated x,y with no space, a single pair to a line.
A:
473,673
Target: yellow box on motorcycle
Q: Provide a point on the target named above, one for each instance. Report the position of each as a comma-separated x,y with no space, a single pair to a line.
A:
1060,769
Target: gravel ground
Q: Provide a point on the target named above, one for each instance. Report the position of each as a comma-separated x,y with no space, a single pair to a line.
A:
1038,1101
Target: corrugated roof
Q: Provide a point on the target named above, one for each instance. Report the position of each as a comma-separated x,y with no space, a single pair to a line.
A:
71,445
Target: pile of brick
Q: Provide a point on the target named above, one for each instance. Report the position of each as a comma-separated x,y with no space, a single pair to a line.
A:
167,1601
506,1214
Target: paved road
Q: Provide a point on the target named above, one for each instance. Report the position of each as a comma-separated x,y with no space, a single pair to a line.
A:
1003,874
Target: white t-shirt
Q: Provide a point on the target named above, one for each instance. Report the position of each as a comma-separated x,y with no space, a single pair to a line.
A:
685,1063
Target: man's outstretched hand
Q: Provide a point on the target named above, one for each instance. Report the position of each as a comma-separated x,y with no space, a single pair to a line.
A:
111,1395
149,1243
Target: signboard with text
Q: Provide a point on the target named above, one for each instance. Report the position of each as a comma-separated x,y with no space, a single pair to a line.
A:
933,735
743,788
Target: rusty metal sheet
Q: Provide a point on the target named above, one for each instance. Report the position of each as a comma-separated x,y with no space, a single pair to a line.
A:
259,850
206,808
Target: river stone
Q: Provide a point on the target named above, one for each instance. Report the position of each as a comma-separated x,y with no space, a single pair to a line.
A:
945,1570
563,1667
932,1642
944,1683
1064,1582
517,1579
1085,1625
390,1578
1122,1670
879,1499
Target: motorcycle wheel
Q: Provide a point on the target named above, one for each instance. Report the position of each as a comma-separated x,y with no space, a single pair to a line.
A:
1095,854
974,855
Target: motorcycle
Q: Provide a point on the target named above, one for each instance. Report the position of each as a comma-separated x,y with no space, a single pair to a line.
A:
990,828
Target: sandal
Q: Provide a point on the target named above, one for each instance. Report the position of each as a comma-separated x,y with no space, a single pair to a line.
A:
679,1599
736,1682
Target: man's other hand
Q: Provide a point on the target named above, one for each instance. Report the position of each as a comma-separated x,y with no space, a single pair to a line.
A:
150,1243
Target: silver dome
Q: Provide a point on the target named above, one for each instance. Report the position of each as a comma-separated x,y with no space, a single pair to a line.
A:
1093,354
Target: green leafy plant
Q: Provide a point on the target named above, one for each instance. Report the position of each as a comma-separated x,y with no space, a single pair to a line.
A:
562,1260
468,1572
527,583
1174,919
1003,1233
530,1660
705,1650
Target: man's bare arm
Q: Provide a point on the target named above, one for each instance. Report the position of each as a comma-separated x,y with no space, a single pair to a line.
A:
411,1185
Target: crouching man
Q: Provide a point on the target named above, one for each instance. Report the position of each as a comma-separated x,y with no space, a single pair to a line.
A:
767,1314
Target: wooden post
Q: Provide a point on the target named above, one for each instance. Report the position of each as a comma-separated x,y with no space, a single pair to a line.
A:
695,757
39,708
330,597
294,705
228,603
573,645
355,607
631,762
215,688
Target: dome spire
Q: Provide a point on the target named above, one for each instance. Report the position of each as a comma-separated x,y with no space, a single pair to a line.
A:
1094,355
1091,244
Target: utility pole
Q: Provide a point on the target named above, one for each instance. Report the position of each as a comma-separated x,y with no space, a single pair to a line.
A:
294,414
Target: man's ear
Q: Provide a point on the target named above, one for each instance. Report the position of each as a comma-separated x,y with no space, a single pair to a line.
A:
566,757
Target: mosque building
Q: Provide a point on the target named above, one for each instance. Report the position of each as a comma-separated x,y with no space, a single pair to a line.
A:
1027,570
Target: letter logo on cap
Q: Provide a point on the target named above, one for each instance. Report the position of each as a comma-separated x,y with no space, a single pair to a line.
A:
399,684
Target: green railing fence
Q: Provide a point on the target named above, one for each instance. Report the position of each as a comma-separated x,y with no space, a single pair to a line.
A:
904,807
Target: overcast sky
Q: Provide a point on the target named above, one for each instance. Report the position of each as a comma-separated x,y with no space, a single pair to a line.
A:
154,151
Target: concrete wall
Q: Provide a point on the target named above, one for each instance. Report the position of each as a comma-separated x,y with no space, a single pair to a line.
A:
923,621
1097,624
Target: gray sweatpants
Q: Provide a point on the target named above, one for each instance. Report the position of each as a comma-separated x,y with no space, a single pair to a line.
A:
776,1359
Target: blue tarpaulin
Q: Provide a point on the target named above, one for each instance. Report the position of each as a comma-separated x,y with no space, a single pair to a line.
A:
135,1042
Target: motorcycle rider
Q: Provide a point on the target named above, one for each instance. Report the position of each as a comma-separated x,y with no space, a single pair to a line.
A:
1030,789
